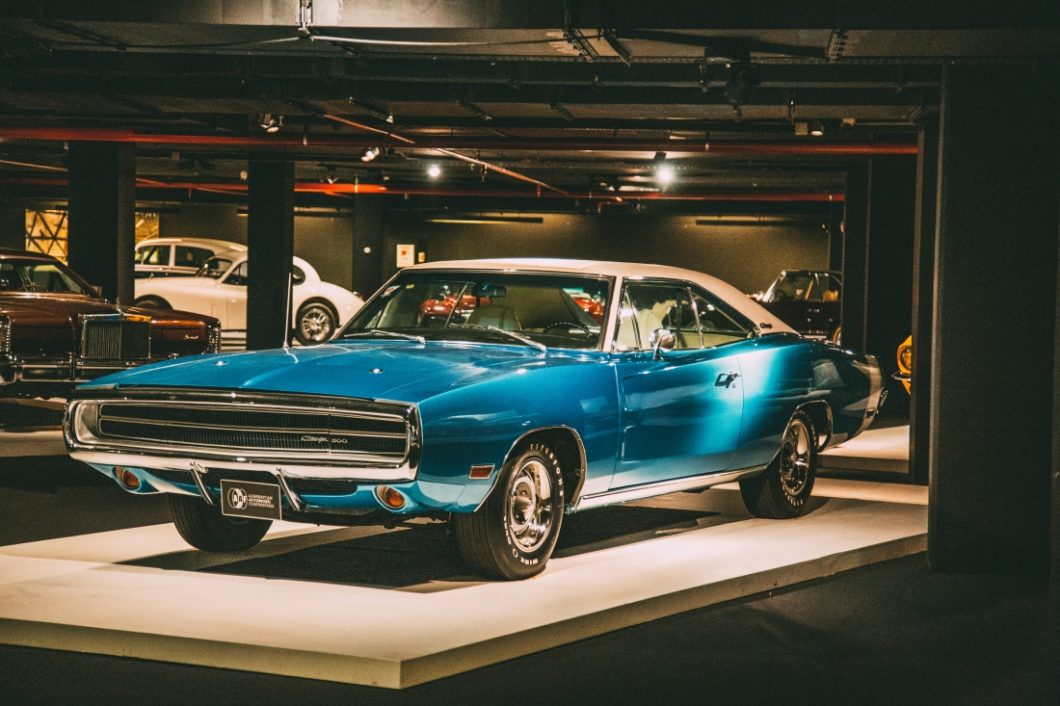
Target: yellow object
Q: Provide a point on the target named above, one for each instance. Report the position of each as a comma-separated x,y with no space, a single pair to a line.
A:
905,363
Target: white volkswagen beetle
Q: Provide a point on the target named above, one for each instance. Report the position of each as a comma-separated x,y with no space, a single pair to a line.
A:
219,289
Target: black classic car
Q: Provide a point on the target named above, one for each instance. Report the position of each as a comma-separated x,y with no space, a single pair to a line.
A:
806,300
56,331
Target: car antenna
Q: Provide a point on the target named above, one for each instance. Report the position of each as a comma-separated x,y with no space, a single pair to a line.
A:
287,312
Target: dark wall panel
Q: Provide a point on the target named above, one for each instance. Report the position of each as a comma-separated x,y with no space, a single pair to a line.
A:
747,256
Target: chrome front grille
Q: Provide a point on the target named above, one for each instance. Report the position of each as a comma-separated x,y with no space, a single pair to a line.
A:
251,429
110,337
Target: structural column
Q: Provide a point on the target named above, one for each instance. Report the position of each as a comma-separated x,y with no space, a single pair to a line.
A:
835,237
367,244
923,292
889,277
102,221
855,257
270,244
992,347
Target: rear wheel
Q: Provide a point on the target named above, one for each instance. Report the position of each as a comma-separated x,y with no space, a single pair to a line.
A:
781,491
513,534
152,303
315,322
204,527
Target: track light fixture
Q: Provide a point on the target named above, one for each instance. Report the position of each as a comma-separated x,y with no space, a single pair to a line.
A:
817,128
271,123
370,154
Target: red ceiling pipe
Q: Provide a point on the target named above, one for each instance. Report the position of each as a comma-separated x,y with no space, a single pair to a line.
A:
341,188
307,141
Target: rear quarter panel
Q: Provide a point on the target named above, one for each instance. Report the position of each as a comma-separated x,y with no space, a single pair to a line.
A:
783,373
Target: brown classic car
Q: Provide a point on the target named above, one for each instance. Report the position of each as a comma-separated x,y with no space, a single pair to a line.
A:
56,331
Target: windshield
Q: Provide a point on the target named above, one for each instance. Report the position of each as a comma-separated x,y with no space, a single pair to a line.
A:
214,267
40,276
790,285
566,311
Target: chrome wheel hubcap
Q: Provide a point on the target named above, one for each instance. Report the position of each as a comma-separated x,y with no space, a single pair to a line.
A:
316,324
795,459
529,506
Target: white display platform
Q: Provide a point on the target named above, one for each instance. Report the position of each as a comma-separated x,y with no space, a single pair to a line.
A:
884,450
106,593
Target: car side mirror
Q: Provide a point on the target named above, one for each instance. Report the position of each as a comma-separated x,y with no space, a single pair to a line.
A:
662,339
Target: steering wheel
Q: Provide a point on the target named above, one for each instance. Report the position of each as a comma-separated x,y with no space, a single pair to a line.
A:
567,325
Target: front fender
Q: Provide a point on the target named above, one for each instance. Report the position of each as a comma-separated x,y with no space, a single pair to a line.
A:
478,424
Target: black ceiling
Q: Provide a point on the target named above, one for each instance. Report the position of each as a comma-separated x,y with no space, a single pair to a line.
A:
570,102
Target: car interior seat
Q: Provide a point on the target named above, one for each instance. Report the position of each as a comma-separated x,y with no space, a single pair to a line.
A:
499,315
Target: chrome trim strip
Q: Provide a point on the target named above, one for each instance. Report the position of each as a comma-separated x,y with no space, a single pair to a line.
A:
648,490
309,469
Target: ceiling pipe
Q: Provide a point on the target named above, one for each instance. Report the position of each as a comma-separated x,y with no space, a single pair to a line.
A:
236,188
333,143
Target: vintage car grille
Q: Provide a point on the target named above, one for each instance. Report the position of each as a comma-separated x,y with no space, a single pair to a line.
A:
112,338
258,430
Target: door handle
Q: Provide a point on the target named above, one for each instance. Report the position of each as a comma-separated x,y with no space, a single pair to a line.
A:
726,379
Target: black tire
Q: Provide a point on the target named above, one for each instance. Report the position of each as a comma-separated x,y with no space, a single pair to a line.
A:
204,527
315,322
783,489
152,302
499,540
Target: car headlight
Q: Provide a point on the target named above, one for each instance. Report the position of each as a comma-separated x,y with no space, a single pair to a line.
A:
213,338
5,334
905,359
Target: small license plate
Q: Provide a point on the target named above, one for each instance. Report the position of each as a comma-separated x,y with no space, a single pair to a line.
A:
260,501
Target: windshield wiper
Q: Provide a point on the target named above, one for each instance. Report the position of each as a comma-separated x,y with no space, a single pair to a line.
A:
383,332
517,336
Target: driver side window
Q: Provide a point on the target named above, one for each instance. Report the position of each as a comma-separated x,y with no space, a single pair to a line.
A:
647,307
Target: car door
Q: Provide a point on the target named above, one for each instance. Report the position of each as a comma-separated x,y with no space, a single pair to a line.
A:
231,293
681,410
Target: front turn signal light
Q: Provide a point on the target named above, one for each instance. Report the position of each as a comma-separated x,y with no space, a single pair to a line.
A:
390,498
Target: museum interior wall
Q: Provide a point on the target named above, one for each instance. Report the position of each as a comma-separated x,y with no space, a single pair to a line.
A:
749,256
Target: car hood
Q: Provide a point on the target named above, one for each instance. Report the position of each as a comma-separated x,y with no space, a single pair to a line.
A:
403,371
51,309
33,309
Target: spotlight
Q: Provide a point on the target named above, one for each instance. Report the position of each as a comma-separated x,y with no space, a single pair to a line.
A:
817,128
743,80
370,154
331,176
271,123
664,174
434,171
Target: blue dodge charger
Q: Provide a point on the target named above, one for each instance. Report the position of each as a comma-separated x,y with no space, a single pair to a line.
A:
497,394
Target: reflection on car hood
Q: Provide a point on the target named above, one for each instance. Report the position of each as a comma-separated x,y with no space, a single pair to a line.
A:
403,371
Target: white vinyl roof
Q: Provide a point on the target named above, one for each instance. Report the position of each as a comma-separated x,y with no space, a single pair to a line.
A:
623,270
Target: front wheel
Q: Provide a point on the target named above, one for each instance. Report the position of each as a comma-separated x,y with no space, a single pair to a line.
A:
781,491
315,323
204,527
513,534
